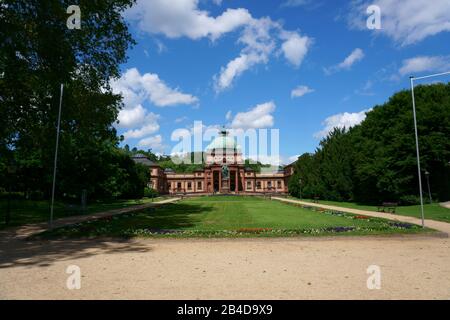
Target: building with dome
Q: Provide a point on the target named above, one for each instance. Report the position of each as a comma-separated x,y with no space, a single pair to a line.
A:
224,172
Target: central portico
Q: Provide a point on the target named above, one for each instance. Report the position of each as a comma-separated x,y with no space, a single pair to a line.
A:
224,165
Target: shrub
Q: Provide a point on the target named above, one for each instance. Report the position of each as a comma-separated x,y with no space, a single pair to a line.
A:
409,200
150,193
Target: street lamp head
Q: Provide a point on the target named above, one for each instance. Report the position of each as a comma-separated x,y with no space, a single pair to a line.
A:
427,173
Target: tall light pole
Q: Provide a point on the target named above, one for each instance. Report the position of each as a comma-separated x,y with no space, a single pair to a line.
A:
427,175
56,156
412,79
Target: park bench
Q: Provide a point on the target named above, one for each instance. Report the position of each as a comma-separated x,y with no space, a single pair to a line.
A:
388,207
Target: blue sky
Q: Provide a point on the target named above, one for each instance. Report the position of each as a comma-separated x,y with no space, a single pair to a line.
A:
201,60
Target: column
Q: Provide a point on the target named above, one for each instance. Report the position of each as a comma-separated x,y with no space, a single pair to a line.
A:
236,183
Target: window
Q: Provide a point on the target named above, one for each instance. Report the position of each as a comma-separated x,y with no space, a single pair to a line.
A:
249,184
179,185
199,185
189,186
279,184
258,185
269,184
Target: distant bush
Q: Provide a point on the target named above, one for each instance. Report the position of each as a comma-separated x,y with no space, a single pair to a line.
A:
409,200
150,193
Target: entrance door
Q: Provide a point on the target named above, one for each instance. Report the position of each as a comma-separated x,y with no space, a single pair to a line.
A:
216,180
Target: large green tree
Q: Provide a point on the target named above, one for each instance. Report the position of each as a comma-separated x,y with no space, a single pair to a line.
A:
376,160
38,52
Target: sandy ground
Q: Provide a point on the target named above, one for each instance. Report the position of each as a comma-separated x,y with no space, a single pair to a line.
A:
412,267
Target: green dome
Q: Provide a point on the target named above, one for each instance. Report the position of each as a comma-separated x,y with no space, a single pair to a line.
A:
223,142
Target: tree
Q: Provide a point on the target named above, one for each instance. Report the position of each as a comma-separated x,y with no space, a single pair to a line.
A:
376,160
38,53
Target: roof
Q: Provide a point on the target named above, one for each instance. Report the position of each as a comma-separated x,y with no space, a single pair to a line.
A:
223,141
142,159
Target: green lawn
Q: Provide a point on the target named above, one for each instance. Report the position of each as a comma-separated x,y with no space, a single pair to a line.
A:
432,211
231,216
29,211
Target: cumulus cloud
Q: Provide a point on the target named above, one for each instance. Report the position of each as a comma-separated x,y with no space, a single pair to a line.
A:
183,18
131,117
295,48
136,88
406,22
341,120
259,37
258,117
424,64
300,91
149,125
349,61
154,143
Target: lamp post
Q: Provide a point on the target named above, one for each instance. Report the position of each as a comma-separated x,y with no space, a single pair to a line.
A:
56,156
412,79
427,175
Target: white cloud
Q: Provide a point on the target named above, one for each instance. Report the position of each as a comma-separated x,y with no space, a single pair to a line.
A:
183,18
150,125
300,91
131,117
234,69
295,48
136,88
407,21
181,119
154,143
295,3
291,159
228,115
341,120
258,117
425,64
260,38
355,56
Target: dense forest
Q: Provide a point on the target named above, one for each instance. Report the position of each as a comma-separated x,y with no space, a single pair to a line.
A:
376,160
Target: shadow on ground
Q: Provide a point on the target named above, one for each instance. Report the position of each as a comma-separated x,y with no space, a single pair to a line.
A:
44,253
19,252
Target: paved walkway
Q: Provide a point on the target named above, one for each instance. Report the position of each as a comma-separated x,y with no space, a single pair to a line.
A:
445,204
25,231
433,224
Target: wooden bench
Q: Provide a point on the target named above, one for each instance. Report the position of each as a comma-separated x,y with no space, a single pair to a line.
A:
387,207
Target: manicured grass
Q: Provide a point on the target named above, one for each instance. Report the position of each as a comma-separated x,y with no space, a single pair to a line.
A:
231,216
30,211
432,211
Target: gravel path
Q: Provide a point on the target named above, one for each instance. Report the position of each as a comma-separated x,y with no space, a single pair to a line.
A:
412,267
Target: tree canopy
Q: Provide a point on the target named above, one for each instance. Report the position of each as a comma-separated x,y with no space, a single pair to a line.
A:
376,160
